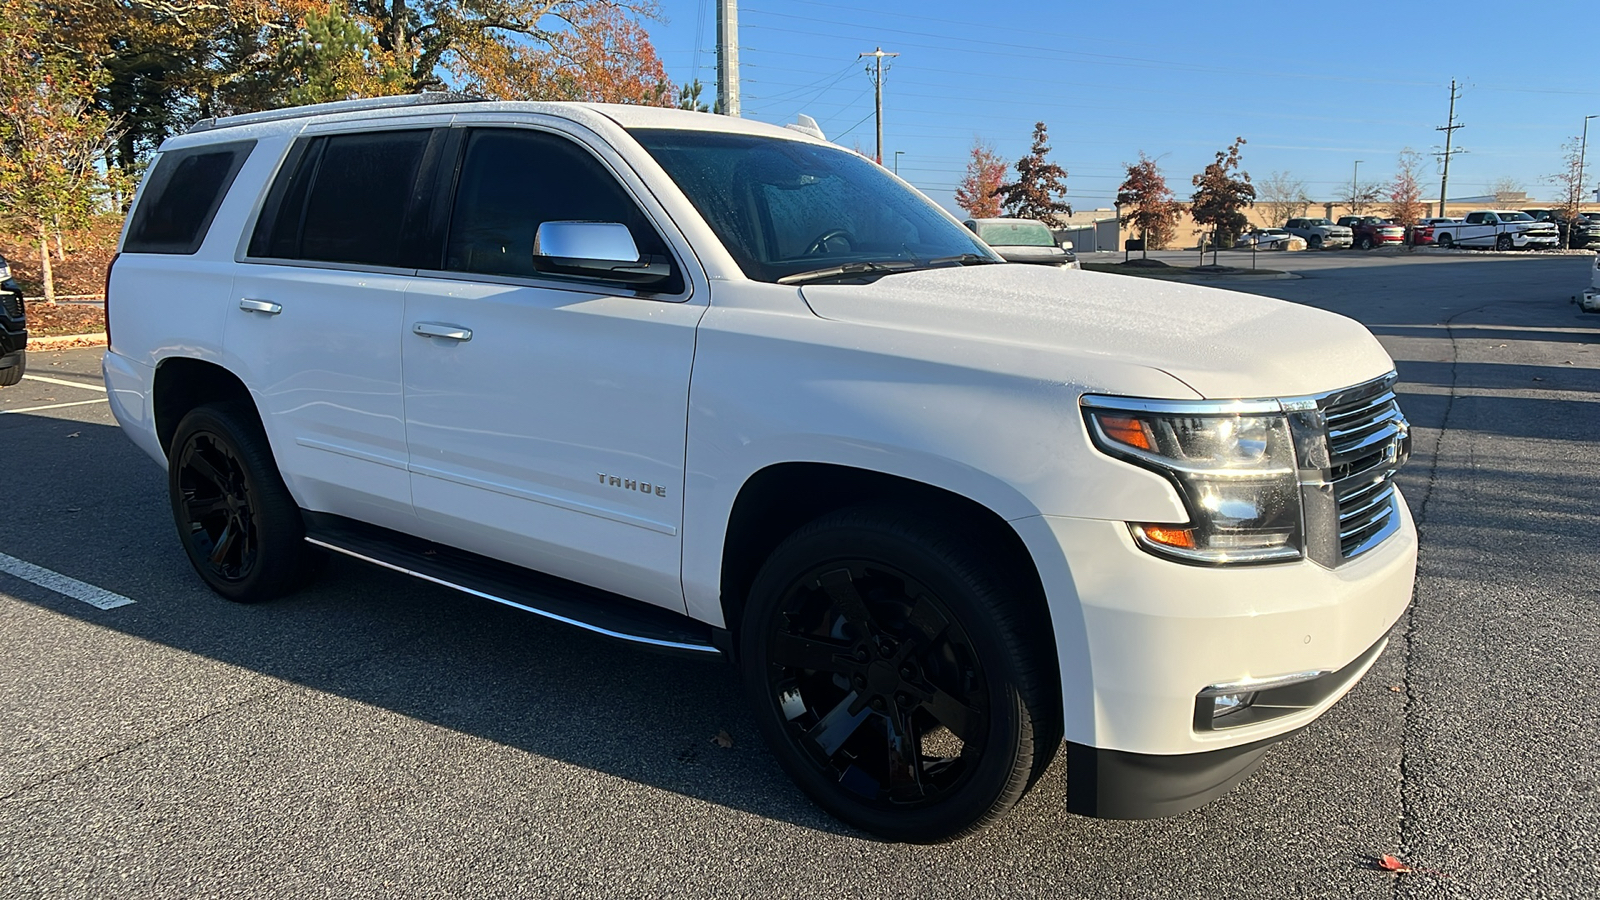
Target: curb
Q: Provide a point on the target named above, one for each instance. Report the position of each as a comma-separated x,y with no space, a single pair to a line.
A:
66,341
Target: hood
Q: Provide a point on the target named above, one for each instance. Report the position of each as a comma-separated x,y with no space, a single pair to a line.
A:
1224,345
1018,253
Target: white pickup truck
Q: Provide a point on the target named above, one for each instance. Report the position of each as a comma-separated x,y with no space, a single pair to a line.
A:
1499,229
721,388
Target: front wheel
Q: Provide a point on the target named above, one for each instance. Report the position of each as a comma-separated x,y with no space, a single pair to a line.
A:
1365,243
1503,242
902,678
238,523
12,374
1314,242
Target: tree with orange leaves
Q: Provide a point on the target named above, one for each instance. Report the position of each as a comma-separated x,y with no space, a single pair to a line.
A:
978,193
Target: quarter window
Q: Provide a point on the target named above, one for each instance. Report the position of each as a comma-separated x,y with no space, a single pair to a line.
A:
512,181
182,196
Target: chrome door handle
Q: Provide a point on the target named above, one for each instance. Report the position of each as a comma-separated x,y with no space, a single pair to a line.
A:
440,330
260,306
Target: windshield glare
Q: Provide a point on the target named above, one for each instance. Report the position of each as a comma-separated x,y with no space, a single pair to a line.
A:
1515,217
1018,233
782,207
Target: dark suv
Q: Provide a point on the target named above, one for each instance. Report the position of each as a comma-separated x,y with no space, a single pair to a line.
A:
1585,232
13,328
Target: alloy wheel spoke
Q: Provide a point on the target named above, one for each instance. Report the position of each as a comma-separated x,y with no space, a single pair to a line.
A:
929,622
200,508
904,754
843,592
800,652
839,724
203,467
950,711
224,545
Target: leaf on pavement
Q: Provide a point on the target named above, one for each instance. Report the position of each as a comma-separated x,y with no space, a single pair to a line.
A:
1393,864
723,739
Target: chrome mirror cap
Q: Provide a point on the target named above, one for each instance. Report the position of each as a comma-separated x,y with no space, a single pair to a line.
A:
600,241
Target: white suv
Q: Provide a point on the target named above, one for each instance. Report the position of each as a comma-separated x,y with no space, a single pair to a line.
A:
720,387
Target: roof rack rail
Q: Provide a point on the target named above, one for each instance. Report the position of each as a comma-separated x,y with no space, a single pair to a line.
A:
339,106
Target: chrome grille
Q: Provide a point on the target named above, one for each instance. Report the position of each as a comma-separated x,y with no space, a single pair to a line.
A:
1367,440
13,304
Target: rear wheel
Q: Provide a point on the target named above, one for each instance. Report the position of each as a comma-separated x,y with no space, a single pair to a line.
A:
901,678
1445,240
1503,242
239,525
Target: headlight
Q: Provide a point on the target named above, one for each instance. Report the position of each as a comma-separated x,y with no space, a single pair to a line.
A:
5,272
1233,464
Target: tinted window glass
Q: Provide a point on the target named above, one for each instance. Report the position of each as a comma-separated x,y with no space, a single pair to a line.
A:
514,180
356,207
182,197
783,207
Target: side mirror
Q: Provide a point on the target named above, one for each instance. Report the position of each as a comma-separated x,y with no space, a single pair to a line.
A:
594,250
1066,245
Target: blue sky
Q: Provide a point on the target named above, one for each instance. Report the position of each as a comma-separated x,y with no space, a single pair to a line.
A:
1311,87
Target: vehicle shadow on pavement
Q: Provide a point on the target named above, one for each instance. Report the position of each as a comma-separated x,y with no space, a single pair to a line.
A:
380,638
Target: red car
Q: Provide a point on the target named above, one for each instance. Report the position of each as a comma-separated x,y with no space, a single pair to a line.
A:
1373,231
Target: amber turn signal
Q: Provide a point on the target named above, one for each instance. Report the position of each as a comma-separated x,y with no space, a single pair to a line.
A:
1169,535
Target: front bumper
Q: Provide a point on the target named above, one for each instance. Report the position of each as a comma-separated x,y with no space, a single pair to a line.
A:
1590,301
1549,241
1139,637
13,320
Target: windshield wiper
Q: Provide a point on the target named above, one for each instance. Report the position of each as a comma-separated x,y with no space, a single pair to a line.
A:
962,259
847,269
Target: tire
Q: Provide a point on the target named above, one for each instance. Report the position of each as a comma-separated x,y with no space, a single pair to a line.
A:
1364,243
871,631
1445,241
1314,242
13,374
1503,242
236,520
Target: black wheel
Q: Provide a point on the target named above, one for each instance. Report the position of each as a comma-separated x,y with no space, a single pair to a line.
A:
236,519
1365,243
1503,242
903,680
13,374
820,246
1445,241
1314,242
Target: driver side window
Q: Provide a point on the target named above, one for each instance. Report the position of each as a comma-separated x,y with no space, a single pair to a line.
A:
514,180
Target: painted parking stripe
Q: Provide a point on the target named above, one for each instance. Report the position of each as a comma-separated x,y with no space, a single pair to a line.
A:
65,383
4,412
99,598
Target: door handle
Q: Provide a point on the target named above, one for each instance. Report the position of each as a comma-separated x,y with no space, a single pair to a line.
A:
260,306
439,330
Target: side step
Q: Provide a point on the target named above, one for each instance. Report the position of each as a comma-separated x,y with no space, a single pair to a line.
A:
555,598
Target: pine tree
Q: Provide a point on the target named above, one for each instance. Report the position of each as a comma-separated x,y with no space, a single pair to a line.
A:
1040,185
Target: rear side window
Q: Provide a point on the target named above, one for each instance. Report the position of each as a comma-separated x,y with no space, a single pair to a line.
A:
182,196
343,199
512,181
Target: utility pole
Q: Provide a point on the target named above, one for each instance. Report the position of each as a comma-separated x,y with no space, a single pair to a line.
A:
1353,176
728,57
877,92
1583,148
1449,132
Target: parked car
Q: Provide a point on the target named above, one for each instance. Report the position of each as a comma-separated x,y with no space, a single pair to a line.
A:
1582,232
1499,229
13,328
716,387
1319,233
1268,239
1368,232
1023,241
1590,302
1422,233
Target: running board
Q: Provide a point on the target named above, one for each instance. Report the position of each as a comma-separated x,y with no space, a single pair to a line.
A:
544,595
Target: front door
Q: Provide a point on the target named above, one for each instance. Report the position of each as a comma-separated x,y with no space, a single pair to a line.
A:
545,417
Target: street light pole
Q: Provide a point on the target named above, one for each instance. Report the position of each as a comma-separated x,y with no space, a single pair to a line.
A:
1583,147
898,153
1353,176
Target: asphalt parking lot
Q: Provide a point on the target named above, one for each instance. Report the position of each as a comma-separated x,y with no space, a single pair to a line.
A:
379,737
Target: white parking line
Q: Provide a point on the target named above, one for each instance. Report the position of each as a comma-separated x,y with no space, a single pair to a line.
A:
64,383
4,412
99,598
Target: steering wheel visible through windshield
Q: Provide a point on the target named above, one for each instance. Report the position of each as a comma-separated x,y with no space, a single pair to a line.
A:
788,208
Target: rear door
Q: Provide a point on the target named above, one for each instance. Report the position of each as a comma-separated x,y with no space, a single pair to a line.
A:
316,316
546,416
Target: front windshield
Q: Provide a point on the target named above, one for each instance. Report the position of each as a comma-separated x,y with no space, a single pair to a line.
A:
783,207
1515,217
1016,233
1310,222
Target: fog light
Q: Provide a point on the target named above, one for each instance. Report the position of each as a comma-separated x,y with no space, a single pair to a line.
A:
1227,704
